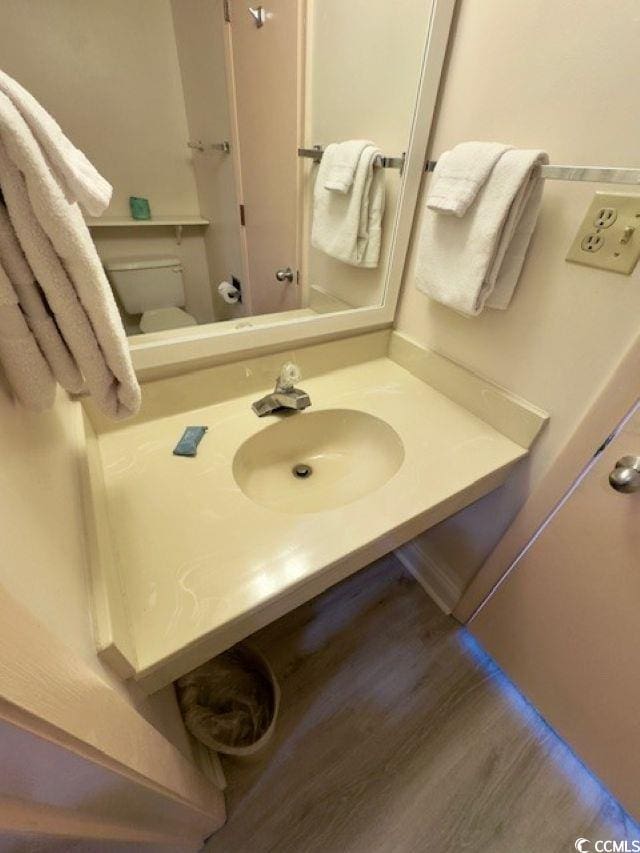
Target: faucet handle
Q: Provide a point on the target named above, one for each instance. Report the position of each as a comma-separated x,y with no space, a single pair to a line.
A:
289,374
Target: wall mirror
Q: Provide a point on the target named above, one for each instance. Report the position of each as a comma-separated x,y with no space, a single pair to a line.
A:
199,109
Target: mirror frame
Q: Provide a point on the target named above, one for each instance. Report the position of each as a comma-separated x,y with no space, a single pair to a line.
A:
215,341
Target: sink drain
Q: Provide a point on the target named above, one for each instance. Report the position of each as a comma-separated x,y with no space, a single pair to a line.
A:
302,471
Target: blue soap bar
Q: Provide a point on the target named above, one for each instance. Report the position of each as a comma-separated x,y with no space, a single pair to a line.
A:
188,444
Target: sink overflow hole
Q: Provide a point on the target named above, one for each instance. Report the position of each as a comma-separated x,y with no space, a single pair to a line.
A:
302,471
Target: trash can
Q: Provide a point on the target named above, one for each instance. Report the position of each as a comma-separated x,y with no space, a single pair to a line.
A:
230,704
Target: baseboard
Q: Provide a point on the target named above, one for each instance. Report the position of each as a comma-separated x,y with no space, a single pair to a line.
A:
432,573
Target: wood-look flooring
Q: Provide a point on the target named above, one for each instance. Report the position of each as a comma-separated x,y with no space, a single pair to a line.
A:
395,735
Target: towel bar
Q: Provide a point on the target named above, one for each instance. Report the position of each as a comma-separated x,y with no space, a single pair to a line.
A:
382,161
596,174
210,146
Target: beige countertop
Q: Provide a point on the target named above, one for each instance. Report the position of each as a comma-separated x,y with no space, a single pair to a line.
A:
201,565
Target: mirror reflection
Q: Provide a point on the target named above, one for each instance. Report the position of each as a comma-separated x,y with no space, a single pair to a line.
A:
204,114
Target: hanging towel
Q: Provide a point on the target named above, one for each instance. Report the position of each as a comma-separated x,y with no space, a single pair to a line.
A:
57,247
475,261
36,310
25,366
80,179
460,174
348,226
342,163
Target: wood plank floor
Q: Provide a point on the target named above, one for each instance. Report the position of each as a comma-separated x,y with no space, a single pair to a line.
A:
395,735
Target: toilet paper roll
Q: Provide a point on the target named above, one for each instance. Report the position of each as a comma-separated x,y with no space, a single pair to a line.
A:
228,292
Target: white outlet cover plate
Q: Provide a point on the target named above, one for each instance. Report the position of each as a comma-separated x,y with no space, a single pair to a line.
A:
614,254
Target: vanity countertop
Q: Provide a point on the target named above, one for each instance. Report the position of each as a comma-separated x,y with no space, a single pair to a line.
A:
201,565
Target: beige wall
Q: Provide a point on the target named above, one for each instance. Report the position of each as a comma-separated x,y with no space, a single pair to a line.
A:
199,32
108,72
43,561
363,67
551,76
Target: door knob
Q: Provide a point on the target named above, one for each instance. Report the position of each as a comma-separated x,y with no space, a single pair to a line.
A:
625,477
285,274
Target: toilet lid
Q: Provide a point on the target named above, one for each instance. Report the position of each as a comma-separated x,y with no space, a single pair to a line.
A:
165,318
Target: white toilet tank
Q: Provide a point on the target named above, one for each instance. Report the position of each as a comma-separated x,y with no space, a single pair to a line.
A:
145,284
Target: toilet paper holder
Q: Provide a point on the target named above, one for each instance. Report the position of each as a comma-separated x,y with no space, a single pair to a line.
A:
231,291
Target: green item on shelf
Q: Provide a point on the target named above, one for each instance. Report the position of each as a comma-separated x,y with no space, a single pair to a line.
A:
139,207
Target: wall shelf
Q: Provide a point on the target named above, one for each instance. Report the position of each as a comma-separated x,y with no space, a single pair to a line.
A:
176,222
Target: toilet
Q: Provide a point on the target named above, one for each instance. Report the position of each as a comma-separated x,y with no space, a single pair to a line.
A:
152,287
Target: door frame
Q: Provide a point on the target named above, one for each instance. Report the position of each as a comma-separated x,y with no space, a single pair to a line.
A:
234,134
611,405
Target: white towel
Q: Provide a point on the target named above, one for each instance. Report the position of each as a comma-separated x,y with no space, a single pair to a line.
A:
35,309
348,226
59,251
460,174
25,367
342,162
75,173
475,261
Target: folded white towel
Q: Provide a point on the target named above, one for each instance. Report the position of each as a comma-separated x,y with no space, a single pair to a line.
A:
460,174
348,226
35,309
75,173
476,260
25,367
342,160
59,250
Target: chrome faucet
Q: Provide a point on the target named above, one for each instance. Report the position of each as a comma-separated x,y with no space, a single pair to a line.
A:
285,395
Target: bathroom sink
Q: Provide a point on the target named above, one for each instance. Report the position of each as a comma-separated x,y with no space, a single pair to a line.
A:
313,461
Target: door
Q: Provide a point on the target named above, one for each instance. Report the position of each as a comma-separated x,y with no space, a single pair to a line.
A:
565,623
266,59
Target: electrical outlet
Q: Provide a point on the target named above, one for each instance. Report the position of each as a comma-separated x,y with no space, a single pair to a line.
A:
605,217
592,242
609,236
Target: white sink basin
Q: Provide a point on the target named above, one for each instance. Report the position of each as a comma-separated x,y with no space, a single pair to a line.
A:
313,461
